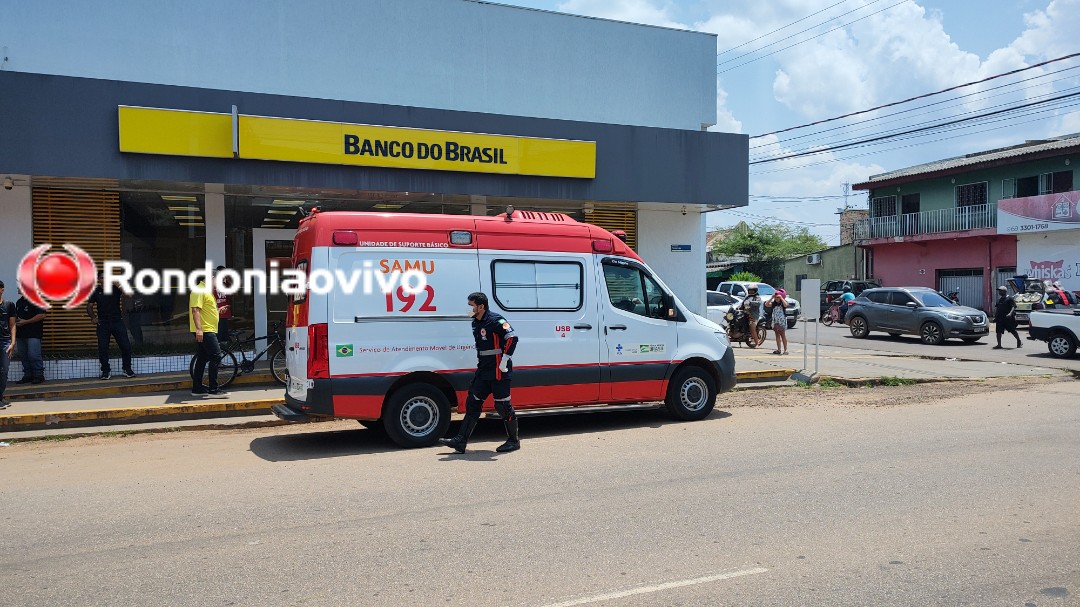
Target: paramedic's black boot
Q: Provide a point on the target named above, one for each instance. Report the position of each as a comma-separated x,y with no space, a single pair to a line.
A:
512,443
458,443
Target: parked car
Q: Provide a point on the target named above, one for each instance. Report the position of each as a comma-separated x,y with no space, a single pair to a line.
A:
918,311
717,304
1060,329
738,289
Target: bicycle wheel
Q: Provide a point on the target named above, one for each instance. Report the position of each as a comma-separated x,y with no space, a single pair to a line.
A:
278,368
227,370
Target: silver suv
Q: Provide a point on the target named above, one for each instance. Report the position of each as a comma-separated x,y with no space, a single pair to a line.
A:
918,311
737,289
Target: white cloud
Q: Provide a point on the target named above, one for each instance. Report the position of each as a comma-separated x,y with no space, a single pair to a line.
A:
1052,32
633,11
725,119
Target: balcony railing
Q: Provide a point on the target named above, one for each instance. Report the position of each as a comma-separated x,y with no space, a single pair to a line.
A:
974,217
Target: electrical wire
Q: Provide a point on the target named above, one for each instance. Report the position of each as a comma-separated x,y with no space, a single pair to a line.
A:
783,28
757,50
910,131
975,120
882,117
923,96
809,39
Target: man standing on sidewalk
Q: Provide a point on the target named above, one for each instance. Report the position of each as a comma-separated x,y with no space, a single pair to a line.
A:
106,312
31,329
203,322
8,334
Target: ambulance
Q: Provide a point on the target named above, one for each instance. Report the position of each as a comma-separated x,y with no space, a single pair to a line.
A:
596,325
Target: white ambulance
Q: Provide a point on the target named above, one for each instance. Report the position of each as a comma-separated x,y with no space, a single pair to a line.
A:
596,326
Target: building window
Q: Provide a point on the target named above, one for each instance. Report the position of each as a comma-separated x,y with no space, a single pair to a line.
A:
1045,183
909,204
884,206
798,281
971,194
538,285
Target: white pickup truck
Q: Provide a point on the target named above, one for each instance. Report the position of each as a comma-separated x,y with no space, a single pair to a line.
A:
1059,328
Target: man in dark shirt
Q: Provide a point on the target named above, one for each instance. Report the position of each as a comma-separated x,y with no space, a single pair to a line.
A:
31,325
495,343
1005,317
8,334
106,312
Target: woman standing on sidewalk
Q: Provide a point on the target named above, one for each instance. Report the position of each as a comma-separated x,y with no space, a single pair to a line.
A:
778,318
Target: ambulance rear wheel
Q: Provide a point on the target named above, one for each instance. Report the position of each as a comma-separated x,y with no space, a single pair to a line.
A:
417,415
691,394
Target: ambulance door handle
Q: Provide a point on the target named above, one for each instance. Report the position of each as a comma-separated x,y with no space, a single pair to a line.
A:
586,327
617,327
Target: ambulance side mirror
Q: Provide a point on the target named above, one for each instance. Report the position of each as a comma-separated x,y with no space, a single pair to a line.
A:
669,308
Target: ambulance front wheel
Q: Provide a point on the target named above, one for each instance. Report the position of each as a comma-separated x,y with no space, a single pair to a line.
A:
691,394
417,415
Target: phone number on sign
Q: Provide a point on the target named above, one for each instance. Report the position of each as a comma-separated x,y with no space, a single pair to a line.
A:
1030,227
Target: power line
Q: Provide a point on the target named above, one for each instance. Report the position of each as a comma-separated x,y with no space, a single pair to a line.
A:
879,118
797,33
908,132
923,96
809,39
785,27
942,126
893,149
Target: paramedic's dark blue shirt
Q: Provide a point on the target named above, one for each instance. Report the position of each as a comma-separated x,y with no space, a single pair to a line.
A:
492,332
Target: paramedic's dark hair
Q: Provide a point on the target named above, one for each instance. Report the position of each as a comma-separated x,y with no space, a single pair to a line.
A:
479,299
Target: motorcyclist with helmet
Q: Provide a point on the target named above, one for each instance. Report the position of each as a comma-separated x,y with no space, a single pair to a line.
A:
845,301
752,305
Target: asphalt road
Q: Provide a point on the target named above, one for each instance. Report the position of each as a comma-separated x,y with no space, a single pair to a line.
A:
791,496
1032,352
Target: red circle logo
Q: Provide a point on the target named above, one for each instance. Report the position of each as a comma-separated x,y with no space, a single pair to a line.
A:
57,276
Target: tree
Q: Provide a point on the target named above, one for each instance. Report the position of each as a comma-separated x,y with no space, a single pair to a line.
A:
767,246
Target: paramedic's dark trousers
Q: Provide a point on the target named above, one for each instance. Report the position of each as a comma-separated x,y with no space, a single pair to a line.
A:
500,391
209,351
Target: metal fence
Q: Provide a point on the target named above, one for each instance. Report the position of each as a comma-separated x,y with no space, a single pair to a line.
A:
973,217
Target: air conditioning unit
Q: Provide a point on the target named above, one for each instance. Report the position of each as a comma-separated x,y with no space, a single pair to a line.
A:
813,258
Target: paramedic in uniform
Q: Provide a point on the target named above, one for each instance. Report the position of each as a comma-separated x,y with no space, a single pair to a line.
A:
495,343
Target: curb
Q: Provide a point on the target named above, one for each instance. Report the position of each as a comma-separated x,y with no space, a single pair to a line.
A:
765,374
58,390
94,417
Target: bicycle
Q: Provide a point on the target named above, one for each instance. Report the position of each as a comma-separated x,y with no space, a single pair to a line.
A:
229,368
832,315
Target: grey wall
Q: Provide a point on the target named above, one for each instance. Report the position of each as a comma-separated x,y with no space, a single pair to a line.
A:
67,127
447,54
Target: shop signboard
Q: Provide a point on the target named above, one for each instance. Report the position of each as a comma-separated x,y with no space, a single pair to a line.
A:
1033,214
185,133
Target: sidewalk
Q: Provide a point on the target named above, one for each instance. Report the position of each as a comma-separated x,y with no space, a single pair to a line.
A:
161,400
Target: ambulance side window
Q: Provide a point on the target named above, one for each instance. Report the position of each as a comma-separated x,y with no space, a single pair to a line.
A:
631,290
538,285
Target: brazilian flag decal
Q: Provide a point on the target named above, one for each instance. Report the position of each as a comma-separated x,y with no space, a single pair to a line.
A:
344,350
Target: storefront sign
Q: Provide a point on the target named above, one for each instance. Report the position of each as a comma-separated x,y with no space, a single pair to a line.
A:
1054,257
1044,213
176,132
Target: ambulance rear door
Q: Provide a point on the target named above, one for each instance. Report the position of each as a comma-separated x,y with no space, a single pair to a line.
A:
380,330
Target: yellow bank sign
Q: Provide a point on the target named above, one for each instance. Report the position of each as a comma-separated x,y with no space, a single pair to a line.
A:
184,133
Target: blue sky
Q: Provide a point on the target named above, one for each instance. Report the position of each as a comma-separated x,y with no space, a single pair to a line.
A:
895,51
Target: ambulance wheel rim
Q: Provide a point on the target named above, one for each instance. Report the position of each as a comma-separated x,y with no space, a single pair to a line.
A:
693,394
419,416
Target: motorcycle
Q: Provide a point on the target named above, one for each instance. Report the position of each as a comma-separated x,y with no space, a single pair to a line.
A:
738,328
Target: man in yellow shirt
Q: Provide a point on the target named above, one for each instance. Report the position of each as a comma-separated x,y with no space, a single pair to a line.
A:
203,322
